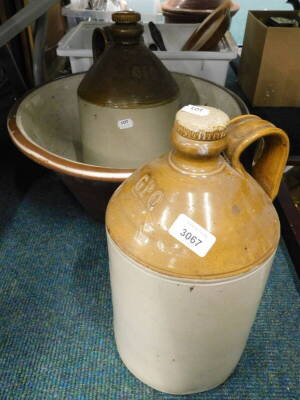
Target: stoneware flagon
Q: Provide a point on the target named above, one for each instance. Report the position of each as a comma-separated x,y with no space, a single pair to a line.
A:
191,239
127,100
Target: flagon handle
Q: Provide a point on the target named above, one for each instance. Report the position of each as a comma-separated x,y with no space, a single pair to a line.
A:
100,40
271,154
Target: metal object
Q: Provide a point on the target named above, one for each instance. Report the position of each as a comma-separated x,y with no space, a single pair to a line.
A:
153,47
40,38
156,36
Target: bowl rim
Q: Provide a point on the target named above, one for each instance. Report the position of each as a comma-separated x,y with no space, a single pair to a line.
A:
234,7
70,167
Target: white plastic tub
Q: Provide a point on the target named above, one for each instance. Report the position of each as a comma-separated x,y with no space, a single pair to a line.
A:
210,65
75,14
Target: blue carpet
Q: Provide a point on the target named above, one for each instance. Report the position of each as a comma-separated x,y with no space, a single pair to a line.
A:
56,315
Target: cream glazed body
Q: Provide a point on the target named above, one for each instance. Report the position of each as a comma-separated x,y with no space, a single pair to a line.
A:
191,239
125,137
181,336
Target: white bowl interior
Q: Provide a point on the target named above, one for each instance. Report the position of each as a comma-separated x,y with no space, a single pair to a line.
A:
49,117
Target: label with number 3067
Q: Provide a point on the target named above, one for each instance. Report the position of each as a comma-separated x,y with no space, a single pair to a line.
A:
192,235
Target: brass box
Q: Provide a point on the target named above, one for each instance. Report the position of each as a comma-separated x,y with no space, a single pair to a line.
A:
269,72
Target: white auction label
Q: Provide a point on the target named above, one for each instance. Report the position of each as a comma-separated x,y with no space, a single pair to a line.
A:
192,235
125,123
196,110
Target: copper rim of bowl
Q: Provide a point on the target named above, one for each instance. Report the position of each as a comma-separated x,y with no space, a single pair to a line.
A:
74,168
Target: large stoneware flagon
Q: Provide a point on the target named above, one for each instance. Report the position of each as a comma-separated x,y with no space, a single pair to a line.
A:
191,239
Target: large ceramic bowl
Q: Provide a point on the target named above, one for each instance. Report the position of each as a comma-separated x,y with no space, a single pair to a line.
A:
45,127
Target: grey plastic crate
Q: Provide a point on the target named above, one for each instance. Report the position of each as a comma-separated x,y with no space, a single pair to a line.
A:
76,15
211,65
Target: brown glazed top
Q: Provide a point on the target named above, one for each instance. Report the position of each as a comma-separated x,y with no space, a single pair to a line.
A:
212,190
127,74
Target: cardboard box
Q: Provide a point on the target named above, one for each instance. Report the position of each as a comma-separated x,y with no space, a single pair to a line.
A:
269,72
